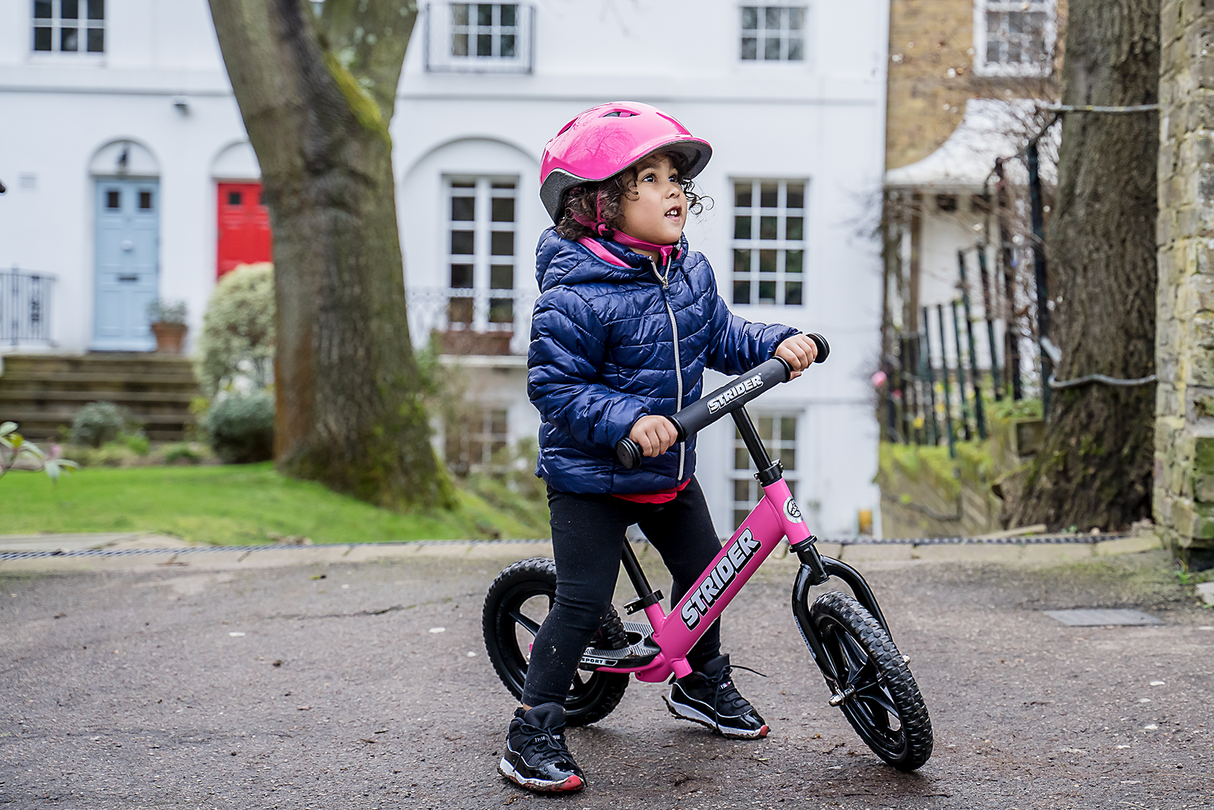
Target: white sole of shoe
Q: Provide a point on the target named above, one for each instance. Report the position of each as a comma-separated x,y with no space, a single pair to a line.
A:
508,771
696,716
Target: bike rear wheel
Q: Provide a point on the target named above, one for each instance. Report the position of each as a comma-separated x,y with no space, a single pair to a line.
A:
515,607
879,695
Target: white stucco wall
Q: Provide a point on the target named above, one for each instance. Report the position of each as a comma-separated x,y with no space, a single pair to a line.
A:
821,120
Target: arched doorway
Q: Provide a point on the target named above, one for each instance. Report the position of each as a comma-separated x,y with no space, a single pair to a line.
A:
126,265
243,222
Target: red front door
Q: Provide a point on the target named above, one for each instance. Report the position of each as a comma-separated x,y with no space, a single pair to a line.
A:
244,226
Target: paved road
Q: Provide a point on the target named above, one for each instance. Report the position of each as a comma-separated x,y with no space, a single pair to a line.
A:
332,683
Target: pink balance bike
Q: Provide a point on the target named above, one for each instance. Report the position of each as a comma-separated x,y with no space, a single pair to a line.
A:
848,636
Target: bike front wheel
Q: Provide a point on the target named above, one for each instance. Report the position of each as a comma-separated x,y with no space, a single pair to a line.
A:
872,684
515,607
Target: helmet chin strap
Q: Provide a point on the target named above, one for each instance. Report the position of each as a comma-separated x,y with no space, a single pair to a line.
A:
634,243
607,232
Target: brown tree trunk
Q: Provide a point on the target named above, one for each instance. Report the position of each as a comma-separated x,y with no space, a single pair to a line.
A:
1096,464
316,95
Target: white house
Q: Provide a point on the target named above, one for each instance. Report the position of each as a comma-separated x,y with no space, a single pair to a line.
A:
129,177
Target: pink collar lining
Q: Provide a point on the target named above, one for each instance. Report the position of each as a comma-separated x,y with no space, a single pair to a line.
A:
596,247
633,242
605,231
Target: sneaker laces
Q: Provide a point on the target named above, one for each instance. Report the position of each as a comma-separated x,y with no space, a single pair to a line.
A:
724,691
549,747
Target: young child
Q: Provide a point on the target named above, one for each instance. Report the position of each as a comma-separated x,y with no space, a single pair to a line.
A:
627,321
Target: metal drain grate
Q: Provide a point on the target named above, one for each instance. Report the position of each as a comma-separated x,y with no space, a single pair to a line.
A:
1102,617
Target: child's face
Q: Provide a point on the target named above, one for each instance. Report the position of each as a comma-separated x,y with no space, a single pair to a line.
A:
657,210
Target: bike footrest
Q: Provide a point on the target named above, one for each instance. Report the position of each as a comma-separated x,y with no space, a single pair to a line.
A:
635,655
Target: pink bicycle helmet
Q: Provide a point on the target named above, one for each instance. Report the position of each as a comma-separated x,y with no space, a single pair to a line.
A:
605,140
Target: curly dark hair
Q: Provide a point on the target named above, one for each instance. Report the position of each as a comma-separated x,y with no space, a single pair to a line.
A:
604,201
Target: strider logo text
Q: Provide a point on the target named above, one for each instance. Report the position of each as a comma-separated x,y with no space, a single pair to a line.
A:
705,596
733,392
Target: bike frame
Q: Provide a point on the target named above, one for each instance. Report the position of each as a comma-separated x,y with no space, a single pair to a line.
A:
775,517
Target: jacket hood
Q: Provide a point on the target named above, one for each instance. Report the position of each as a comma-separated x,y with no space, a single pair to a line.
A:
559,261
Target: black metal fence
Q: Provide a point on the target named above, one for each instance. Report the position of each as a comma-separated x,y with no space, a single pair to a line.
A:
944,364
25,307
941,375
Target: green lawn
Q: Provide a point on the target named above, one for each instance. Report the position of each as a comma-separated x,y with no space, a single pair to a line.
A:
227,505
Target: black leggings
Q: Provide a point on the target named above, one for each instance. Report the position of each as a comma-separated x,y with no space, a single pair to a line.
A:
587,542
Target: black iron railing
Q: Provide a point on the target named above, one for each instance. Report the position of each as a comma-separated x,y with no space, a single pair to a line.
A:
25,307
938,380
470,321
946,368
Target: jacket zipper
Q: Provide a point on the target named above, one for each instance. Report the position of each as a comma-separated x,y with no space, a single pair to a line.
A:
678,362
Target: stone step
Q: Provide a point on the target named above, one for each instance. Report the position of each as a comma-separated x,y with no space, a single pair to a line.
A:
21,395
60,416
87,381
122,362
43,393
64,414
135,375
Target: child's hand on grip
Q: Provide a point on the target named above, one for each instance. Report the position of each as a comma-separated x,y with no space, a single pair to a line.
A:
799,351
654,435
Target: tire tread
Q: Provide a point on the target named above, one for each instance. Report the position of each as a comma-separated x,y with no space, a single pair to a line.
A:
540,572
912,711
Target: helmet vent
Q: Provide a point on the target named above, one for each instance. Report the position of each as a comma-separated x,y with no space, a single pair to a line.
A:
605,140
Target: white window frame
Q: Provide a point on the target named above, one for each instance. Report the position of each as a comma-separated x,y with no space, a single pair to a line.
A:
754,275
487,299
441,29
777,449
982,37
82,25
785,32
489,440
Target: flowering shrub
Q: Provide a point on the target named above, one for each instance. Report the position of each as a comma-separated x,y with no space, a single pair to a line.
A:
236,348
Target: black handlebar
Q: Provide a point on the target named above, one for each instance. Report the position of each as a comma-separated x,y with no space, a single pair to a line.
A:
726,399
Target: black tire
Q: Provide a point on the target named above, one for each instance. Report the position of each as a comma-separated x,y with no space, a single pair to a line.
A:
882,701
517,602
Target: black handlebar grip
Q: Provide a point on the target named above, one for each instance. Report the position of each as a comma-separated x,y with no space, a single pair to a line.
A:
731,396
725,399
628,452
823,347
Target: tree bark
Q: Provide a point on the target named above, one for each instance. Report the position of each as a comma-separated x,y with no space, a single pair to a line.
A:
316,95
1096,463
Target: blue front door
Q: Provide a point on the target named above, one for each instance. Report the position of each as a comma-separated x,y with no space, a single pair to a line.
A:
128,264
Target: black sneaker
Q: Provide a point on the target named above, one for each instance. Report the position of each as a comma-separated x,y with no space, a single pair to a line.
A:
536,756
708,697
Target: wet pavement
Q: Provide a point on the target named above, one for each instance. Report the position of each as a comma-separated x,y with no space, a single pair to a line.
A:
355,677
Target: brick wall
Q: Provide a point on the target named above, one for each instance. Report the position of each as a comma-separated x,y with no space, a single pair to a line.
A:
1184,424
931,75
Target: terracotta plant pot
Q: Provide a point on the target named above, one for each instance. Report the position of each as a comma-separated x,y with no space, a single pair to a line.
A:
170,337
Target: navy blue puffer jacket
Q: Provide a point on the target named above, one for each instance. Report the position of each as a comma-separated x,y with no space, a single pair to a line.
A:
612,341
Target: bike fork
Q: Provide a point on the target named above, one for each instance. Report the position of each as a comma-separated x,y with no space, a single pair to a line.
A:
817,569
